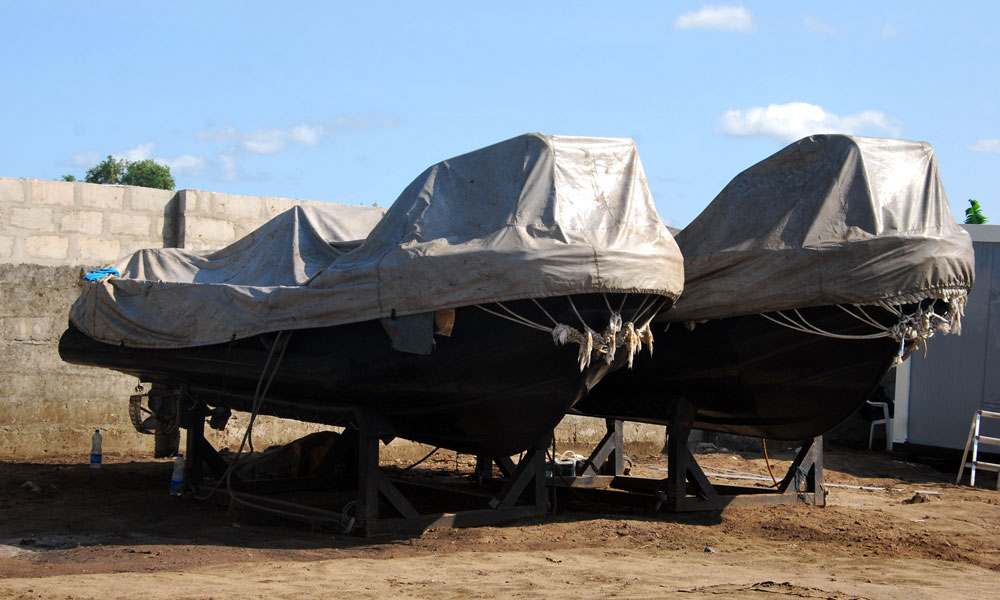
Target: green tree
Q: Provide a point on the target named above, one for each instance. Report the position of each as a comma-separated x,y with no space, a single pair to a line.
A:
147,173
68,178
143,173
974,214
107,172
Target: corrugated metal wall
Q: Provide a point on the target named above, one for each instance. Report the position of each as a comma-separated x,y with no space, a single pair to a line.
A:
960,374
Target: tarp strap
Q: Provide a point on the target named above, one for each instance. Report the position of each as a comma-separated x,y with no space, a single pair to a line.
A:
910,330
807,327
618,333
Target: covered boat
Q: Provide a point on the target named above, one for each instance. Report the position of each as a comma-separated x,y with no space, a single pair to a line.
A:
806,279
489,298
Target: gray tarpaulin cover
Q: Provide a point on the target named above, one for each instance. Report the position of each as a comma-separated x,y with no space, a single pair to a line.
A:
534,216
831,219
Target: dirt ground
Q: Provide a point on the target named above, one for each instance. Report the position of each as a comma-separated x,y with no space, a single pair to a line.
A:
67,531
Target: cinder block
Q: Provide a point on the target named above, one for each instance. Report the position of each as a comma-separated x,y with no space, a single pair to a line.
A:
53,193
129,224
93,195
187,201
243,229
37,441
31,329
95,251
148,199
127,248
205,202
166,228
36,290
581,434
276,206
35,218
11,190
6,246
82,221
54,386
50,247
216,205
213,232
50,377
244,208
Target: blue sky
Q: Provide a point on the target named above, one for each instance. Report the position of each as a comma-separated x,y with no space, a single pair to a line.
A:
349,102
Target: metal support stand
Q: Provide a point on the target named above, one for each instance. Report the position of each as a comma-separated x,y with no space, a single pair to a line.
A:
686,487
522,494
607,458
380,505
193,418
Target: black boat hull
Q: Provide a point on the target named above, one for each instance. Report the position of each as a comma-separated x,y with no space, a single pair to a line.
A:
493,387
747,375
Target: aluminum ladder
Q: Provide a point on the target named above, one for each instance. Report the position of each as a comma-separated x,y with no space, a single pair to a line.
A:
975,438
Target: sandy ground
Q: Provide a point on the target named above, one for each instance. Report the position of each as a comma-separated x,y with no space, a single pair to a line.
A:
67,531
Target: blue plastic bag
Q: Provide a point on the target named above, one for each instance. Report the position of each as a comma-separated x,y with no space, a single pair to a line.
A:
99,274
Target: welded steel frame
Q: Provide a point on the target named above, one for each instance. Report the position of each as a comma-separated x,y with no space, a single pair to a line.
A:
522,491
686,487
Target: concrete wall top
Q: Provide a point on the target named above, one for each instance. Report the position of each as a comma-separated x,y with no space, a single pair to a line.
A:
212,220
59,223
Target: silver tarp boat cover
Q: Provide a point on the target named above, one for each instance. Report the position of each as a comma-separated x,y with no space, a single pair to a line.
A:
830,219
535,216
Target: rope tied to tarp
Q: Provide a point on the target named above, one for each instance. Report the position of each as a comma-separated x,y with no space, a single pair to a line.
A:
605,344
910,330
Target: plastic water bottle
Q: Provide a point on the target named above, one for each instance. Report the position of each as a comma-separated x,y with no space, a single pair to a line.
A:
177,479
95,450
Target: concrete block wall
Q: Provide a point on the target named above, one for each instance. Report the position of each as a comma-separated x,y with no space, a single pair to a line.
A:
57,223
210,220
51,232
49,408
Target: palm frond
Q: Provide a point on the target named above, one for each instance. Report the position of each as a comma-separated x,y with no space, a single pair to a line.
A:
974,214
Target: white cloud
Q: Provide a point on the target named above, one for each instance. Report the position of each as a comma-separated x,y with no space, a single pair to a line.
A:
85,159
140,152
987,145
185,164
890,31
306,134
272,141
816,26
224,162
789,122
230,168
719,18
265,141
222,134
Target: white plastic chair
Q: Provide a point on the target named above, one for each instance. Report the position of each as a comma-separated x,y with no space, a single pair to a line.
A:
885,420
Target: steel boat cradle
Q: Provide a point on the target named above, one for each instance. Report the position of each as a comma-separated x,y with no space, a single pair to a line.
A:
808,277
496,292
